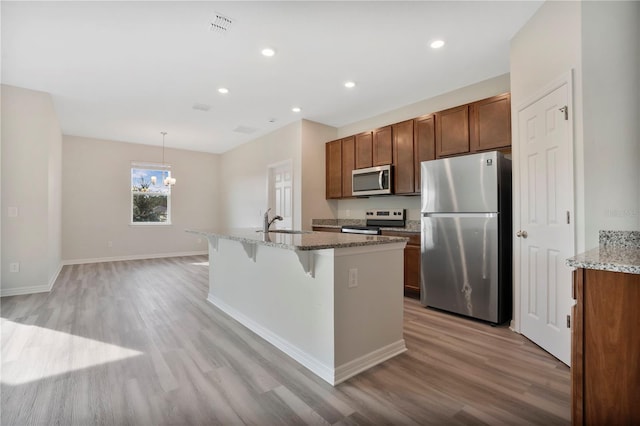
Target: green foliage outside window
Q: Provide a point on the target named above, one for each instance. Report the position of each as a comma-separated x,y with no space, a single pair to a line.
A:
150,201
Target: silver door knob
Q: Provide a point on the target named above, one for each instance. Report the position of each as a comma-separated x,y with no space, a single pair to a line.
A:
522,234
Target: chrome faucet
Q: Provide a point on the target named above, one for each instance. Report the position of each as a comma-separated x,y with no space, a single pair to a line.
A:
267,223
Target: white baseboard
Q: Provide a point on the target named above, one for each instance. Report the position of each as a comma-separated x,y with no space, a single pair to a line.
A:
329,374
367,361
324,371
133,257
44,288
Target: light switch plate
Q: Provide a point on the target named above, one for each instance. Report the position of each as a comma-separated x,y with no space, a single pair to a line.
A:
12,212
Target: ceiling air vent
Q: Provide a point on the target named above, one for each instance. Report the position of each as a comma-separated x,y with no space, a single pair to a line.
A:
244,129
201,107
220,24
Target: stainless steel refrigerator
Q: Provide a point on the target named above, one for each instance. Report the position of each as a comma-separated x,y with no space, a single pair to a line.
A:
466,236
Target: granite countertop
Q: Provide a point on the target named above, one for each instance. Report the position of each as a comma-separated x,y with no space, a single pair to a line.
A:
619,251
412,226
301,242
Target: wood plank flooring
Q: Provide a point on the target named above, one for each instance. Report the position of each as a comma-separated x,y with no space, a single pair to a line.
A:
136,343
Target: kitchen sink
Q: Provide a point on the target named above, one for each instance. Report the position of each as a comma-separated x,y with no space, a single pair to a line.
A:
288,231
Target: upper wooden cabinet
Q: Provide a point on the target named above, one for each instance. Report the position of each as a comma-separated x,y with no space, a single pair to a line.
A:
424,144
364,150
403,162
334,169
490,123
348,163
382,146
452,131
478,126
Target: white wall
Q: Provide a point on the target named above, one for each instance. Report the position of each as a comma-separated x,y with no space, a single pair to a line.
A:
611,89
548,46
355,209
96,200
31,144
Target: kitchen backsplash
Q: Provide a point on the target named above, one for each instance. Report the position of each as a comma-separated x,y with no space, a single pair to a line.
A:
356,208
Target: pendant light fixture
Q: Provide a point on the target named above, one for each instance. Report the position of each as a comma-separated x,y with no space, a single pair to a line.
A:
168,181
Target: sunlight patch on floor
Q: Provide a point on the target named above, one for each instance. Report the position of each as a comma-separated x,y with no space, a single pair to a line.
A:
200,263
32,353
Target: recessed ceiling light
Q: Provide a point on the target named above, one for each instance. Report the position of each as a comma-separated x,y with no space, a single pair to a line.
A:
350,84
268,52
223,90
437,44
296,109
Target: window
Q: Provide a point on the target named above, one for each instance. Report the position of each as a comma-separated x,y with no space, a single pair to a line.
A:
150,198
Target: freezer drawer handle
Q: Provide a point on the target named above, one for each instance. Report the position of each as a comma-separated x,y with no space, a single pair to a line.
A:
522,234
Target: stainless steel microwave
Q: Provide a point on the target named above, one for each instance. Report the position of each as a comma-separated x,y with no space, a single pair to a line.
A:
372,181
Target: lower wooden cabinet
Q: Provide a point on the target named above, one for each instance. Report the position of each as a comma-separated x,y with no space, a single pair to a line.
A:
325,229
411,262
605,353
411,258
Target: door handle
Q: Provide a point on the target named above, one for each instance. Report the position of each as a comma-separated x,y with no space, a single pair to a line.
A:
522,234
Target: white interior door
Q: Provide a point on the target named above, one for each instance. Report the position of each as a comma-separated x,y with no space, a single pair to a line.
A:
281,193
546,234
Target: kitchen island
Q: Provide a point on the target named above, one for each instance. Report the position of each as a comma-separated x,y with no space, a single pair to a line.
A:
333,302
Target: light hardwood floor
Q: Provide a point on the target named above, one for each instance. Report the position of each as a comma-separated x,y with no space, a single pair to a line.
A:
136,342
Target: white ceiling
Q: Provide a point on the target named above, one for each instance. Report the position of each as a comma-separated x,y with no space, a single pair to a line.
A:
128,70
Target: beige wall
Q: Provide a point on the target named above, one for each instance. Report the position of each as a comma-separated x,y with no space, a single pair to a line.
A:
611,87
96,201
314,204
548,46
244,170
31,144
355,209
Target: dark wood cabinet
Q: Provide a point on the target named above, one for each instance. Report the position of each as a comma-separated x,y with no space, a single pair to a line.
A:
403,163
411,262
452,131
325,229
490,123
348,164
424,144
382,146
364,150
333,166
605,356
478,126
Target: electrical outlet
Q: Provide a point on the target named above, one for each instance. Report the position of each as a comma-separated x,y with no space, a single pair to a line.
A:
353,277
109,244
14,267
199,240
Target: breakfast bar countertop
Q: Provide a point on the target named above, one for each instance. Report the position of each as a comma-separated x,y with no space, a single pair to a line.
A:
619,251
307,240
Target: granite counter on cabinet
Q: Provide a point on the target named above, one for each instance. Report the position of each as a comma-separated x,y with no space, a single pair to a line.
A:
331,301
605,320
411,226
618,251
307,240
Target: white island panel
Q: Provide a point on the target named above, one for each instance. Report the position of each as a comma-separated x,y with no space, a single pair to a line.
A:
332,329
